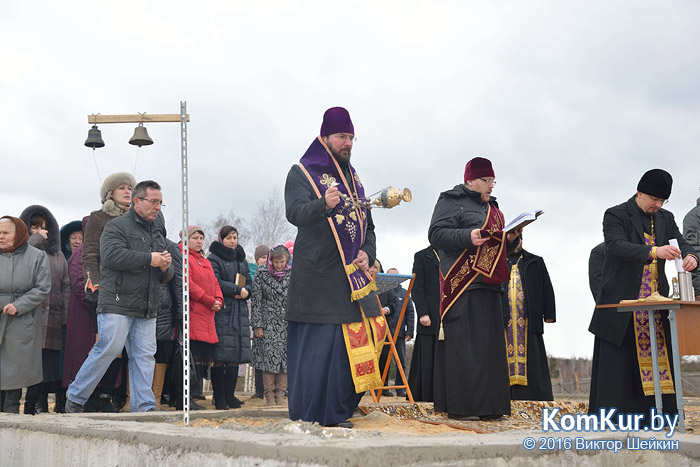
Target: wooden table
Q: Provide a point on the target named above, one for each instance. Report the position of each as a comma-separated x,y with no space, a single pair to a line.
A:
683,315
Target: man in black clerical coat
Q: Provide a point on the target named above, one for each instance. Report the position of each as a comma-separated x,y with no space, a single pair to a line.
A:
471,374
426,297
329,285
595,268
529,303
637,235
405,332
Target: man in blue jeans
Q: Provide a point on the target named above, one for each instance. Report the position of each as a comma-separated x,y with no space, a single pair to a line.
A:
134,263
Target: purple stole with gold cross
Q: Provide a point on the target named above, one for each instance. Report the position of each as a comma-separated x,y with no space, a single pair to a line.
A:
643,341
487,260
363,339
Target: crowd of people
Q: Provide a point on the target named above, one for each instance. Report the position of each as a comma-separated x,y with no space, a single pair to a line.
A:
108,304
92,312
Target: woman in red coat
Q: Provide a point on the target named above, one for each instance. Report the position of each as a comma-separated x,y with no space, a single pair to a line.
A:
205,300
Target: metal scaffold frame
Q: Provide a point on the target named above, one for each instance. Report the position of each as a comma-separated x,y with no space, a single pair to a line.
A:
183,118
185,271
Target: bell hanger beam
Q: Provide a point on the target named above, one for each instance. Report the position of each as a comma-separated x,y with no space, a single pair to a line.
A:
135,118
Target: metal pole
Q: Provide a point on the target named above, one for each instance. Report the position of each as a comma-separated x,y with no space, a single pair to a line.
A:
655,360
185,272
673,324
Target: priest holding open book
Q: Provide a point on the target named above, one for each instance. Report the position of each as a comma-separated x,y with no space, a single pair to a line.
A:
468,229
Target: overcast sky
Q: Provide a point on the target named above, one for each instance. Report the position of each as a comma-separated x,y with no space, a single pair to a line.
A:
572,101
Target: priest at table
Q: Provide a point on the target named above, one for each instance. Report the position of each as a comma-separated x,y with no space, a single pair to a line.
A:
637,234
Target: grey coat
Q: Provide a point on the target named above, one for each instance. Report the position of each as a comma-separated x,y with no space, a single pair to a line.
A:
691,232
25,281
269,302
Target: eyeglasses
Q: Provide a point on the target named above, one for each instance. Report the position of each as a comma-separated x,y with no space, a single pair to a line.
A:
654,199
154,202
488,182
345,137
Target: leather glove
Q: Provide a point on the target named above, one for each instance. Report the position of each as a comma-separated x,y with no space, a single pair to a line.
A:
91,299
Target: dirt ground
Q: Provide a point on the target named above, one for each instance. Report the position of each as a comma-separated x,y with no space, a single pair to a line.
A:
374,421
394,415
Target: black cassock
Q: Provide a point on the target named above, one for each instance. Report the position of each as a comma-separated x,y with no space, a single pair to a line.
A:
615,377
538,305
426,298
471,373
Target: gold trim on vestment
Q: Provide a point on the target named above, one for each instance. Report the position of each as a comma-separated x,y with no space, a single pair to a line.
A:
363,351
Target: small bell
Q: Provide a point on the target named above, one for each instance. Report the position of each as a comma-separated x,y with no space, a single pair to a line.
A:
94,139
140,137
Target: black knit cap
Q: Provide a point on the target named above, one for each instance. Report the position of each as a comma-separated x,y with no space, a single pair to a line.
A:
657,183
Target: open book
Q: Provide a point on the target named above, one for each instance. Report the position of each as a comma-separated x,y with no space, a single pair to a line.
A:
522,219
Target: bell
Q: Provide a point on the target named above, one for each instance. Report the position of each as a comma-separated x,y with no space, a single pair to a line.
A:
140,137
94,139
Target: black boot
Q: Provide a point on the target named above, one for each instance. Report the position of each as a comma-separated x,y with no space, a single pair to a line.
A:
31,398
193,403
231,378
196,391
106,401
42,404
93,403
119,395
218,385
60,406
10,403
259,389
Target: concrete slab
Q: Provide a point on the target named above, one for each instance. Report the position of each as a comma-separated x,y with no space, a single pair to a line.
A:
157,439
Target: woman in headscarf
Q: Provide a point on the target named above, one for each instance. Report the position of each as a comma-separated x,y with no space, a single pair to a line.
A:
206,300
269,326
44,234
81,328
115,195
232,324
25,283
260,256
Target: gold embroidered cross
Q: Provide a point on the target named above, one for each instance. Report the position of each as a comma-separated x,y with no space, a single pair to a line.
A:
327,180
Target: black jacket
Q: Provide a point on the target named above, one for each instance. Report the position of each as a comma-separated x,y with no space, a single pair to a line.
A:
538,291
232,322
426,289
319,291
625,257
390,300
691,232
458,212
595,268
128,284
170,308
407,325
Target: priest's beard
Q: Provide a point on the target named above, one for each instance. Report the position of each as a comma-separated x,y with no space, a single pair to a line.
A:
342,156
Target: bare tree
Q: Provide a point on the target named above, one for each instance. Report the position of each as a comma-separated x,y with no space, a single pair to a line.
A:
211,229
269,225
